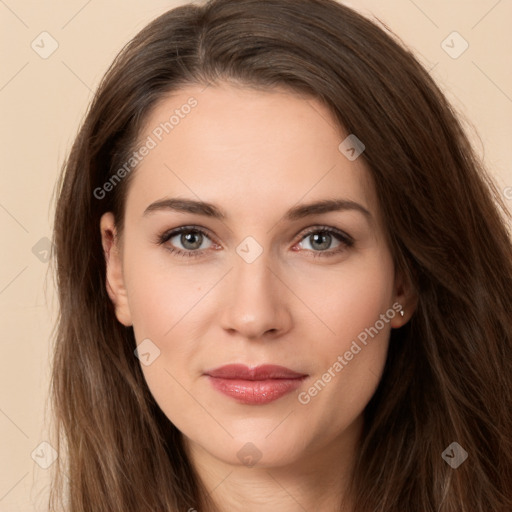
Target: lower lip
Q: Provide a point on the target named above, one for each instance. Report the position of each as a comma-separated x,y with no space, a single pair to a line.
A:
255,392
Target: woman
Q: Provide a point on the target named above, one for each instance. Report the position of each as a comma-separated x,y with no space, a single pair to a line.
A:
210,355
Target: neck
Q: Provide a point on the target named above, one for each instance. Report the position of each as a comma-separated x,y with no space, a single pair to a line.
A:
317,480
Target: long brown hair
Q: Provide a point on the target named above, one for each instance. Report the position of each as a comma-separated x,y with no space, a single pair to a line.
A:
448,375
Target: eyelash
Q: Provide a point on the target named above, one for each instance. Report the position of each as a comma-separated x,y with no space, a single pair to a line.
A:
346,241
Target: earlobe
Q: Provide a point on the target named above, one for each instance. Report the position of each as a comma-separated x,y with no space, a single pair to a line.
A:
114,279
405,301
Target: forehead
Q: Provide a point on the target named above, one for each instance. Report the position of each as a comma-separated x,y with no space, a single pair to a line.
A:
257,149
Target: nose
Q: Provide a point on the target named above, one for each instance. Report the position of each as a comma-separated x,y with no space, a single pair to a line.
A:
257,301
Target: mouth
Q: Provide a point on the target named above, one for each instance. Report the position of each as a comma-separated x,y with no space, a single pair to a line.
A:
254,386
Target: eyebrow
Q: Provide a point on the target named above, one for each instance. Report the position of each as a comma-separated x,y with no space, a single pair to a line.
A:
294,213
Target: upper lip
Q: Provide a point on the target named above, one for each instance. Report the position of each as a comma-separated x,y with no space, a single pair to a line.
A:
263,372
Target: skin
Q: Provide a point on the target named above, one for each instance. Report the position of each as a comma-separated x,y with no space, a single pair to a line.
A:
255,155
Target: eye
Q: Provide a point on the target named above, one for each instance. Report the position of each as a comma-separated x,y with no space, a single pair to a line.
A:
190,238
321,238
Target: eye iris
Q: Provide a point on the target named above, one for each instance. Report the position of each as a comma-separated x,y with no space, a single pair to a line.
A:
188,238
324,236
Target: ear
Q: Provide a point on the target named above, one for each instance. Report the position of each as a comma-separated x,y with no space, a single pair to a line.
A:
405,299
114,270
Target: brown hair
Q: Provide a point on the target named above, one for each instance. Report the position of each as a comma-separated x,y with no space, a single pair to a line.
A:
448,375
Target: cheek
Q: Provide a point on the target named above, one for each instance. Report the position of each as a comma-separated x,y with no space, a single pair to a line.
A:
356,306
162,304
351,299
160,294
335,317
169,302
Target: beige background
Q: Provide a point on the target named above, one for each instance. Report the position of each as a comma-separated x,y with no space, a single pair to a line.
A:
42,101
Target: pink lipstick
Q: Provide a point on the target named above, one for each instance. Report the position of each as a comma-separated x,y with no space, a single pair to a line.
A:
254,386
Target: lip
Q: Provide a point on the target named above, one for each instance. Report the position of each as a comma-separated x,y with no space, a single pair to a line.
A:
262,372
254,386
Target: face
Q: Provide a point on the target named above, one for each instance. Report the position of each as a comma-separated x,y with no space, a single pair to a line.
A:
258,276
